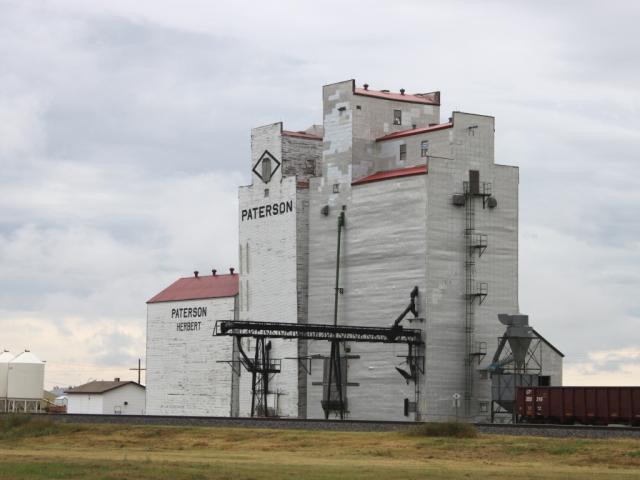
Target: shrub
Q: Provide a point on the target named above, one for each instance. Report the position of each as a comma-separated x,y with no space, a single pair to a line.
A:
445,429
20,425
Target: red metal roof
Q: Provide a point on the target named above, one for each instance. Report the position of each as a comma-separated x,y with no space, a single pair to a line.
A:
400,172
193,288
414,131
308,136
427,98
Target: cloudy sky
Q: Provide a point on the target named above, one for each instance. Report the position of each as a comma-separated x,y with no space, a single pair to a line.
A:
124,133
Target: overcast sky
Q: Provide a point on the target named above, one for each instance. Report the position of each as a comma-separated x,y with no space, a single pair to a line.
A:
124,134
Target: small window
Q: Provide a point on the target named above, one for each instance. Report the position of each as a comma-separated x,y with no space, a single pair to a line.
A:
266,192
544,381
484,375
397,117
336,188
424,148
266,169
484,407
403,152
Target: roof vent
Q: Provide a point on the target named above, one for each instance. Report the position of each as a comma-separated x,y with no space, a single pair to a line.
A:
231,270
214,271
366,86
384,91
195,273
402,91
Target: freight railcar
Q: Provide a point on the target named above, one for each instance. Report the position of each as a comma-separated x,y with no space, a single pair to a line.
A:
585,405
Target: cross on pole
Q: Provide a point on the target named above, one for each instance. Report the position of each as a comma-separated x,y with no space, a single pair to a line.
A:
139,369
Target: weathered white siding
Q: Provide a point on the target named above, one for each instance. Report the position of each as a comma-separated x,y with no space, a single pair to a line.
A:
126,400
85,403
273,221
183,376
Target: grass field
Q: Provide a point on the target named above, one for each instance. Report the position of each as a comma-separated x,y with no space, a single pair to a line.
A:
43,450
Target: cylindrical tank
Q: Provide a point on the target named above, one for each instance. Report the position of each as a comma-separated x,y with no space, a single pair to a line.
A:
26,377
5,358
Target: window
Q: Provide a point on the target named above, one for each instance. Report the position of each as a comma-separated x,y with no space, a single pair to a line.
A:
336,188
266,169
424,148
397,117
484,407
403,152
544,381
266,192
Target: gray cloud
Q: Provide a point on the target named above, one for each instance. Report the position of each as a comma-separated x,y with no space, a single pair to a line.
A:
124,132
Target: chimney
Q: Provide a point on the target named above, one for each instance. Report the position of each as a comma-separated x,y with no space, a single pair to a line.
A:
195,274
402,91
117,379
366,86
231,270
214,271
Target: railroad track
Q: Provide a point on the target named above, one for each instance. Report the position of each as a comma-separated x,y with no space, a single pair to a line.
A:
582,431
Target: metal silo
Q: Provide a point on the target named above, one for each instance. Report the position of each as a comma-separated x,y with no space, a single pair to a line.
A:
5,358
25,382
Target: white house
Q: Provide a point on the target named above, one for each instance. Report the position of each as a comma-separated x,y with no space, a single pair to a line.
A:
107,398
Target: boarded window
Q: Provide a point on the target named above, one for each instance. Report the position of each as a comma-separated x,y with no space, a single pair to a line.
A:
266,169
403,152
424,148
397,117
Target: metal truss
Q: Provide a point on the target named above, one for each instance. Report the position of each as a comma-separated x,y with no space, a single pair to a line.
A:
314,331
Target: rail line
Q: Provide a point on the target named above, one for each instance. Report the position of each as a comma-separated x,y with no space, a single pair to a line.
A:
546,430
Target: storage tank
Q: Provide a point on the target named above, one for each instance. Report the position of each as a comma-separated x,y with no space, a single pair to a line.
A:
25,379
5,358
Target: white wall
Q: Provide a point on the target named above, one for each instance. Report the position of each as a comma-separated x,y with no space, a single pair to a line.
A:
114,400
182,375
85,403
269,269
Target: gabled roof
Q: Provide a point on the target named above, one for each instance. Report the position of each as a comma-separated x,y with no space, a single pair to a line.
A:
548,343
194,288
432,98
414,131
385,175
100,386
305,135
26,357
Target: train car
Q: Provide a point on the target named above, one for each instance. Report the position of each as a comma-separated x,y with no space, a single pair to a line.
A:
585,405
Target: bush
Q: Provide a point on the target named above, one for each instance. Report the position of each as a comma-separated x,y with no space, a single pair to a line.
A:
445,429
20,425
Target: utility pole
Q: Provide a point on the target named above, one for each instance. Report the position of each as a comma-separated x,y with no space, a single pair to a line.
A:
139,369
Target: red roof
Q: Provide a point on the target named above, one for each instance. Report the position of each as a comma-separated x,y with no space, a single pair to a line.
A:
414,131
308,136
427,98
193,288
400,172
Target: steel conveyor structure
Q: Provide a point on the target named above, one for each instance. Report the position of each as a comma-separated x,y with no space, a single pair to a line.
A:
311,331
262,367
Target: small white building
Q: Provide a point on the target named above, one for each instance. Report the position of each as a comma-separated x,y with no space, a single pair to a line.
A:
107,398
189,370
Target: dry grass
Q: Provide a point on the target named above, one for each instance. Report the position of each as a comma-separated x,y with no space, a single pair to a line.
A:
128,452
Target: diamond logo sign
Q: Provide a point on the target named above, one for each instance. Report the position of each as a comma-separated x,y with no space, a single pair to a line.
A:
266,166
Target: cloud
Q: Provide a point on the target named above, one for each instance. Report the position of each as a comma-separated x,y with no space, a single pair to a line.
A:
124,132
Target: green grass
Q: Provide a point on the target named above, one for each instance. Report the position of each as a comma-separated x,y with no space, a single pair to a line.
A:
39,449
